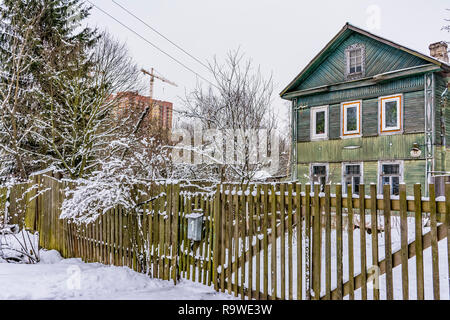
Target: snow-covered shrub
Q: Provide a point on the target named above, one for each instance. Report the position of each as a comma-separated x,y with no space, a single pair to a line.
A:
136,162
18,246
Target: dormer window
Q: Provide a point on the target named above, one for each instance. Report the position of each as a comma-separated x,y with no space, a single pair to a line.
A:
355,60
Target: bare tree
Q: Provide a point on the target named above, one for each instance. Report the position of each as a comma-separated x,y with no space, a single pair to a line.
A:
236,106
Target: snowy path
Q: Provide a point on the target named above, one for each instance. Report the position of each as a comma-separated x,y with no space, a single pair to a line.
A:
54,278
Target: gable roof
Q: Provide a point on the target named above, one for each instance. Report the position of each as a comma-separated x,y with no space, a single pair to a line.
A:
346,31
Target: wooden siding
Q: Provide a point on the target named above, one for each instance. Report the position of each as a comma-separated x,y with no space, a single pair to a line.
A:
303,128
380,58
414,172
414,109
334,123
388,147
370,173
370,117
441,106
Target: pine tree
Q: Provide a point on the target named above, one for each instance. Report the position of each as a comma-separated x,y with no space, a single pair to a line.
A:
41,43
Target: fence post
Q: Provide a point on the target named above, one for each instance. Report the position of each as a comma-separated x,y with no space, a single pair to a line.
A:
447,222
316,258
308,241
404,241
216,237
175,212
434,243
388,240
351,271
374,230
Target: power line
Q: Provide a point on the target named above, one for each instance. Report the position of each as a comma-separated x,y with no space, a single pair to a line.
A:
160,34
152,44
159,49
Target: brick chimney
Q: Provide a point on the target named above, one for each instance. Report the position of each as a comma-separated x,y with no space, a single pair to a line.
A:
439,50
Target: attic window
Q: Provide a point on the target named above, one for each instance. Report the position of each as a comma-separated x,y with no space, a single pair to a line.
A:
355,60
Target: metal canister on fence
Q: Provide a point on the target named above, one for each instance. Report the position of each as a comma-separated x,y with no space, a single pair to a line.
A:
195,225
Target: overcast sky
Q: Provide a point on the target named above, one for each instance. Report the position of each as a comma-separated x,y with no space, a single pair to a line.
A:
281,36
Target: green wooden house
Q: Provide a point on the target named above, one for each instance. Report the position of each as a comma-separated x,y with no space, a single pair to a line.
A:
368,110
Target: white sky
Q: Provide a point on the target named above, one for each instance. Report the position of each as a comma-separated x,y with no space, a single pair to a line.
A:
280,36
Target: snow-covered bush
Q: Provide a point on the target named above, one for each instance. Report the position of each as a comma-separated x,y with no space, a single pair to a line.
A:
18,246
134,162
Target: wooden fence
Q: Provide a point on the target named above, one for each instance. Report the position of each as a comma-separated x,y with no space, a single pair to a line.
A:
265,241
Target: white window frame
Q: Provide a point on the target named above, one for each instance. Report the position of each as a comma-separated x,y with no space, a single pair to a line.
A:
355,75
361,165
327,170
313,112
382,129
353,133
401,174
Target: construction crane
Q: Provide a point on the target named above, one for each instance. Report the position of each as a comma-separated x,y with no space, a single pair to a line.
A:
152,80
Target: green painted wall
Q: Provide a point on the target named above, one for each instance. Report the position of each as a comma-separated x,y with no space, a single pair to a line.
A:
370,173
414,172
388,147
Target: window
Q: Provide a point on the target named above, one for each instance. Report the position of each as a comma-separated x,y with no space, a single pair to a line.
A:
351,119
319,123
352,176
391,174
319,175
390,109
355,61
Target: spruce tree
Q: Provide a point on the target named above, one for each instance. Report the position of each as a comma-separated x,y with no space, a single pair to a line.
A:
53,45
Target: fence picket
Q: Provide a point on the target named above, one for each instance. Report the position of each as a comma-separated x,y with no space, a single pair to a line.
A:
447,222
339,242
308,241
327,243
273,230
434,243
351,268
250,243
258,249
283,239
236,242
290,276
229,241
266,242
298,214
374,232
316,257
404,241
362,230
387,241
243,229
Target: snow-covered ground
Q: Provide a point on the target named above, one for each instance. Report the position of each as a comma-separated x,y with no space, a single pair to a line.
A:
57,278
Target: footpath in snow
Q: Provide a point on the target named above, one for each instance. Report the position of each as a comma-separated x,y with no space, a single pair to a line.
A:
57,278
